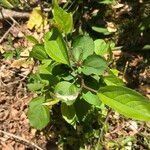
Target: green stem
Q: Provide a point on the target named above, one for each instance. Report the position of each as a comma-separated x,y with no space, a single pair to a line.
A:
101,138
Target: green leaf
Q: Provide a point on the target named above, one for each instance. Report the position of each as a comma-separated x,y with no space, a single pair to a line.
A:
83,46
55,47
92,99
38,114
45,67
6,3
63,19
38,52
68,113
126,101
146,47
8,55
77,54
49,80
67,92
32,39
35,86
9,3
114,72
101,47
101,30
37,82
94,64
15,3
107,1
81,108
34,78
113,80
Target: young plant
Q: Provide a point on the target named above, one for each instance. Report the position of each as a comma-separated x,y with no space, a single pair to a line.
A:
75,75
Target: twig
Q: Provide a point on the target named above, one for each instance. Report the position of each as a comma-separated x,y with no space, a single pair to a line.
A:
6,33
21,139
13,14
125,69
3,16
14,21
86,87
47,9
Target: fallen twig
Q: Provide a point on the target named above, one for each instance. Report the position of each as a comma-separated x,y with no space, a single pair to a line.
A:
6,14
9,14
6,33
21,139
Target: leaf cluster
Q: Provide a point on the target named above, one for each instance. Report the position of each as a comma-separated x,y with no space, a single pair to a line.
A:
75,75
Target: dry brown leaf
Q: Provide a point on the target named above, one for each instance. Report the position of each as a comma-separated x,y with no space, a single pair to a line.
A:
117,5
18,63
28,64
148,124
25,53
111,27
2,49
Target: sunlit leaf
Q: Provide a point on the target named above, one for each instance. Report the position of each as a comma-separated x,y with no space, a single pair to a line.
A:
92,99
55,47
6,3
126,101
83,46
38,52
94,64
113,80
63,19
37,19
101,30
107,1
67,92
32,39
146,47
101,47
38,114
35,86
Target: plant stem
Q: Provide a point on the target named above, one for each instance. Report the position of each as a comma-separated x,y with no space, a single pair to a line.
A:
101,139
86,87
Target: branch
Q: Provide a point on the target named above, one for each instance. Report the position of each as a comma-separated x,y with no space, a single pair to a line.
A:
86,87
6,33
7,14
21,139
